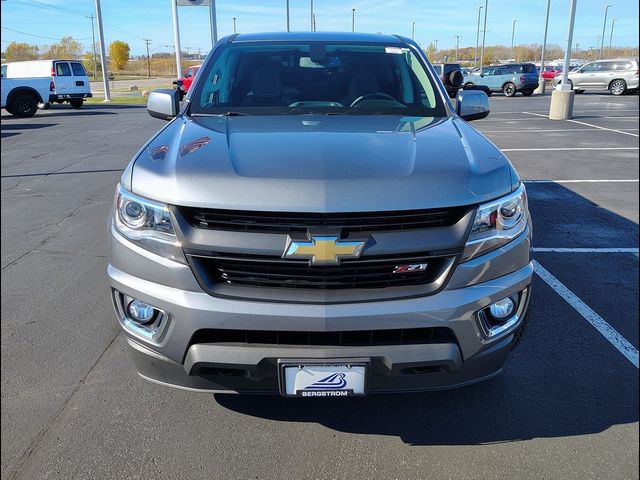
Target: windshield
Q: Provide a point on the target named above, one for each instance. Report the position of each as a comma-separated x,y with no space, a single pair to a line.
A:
273,79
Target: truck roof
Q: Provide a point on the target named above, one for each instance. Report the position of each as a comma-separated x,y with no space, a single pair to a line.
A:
376,38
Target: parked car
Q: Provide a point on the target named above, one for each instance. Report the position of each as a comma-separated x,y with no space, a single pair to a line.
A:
550,72
188,77
318,219
508,79
618,76
451,77
21,96
69,77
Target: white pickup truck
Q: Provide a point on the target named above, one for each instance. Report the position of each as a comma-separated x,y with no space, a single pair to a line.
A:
21,96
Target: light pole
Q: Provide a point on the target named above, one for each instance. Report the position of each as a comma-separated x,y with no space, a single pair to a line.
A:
312,15
353,19
475,59
561,107
413,30
613,22
604,25
457,45
235,30
95,56
513,33
541,85
484,34
103,53
288,24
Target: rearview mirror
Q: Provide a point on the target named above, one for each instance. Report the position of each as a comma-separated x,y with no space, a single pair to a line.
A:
472,104
164,103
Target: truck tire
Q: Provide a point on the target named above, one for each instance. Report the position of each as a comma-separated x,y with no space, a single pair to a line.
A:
76,103
527,92
24,105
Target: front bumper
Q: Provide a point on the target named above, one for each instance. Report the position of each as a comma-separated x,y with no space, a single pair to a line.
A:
252,368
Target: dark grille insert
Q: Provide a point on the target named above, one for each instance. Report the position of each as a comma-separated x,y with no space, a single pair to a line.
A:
288,222
404,336
367,272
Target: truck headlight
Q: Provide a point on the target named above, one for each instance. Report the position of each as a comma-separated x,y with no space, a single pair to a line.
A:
497,223
147,224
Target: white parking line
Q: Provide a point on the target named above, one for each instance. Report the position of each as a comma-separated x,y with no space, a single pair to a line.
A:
606,330
567,149
584,250
530,130
614,180
603,128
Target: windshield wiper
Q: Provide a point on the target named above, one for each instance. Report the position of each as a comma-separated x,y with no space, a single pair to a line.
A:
225,114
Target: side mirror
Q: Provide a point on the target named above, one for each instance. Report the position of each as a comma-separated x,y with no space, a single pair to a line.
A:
472,104
164,103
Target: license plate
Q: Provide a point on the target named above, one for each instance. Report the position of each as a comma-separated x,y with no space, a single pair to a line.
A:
323,379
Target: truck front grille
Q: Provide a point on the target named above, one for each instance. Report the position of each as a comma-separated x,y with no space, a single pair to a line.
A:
265,271
291,222
404,336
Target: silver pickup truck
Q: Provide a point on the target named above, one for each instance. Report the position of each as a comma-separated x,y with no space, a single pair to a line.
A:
319,219
21,96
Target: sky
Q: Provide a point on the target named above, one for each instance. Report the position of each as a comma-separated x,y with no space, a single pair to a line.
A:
134,20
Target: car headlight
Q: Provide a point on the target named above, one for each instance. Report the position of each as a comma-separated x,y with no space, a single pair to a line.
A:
147,224
497,223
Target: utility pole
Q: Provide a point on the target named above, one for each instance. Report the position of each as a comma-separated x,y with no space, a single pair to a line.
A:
457,45
353,19
604,26
541,80
288,22
413,30
484,34
312,15
613,22
314,23
103,53
475,58
147,42
513,33
235,30
95,55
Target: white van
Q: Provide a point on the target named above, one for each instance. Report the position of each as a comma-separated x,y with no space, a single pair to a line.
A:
69,77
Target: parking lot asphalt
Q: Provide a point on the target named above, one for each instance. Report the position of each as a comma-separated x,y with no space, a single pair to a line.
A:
565,406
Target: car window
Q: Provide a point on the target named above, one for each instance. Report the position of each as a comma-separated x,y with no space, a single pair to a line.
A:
4,71
488,71
622,66
528,68
286,78
589,67
62,69
78,69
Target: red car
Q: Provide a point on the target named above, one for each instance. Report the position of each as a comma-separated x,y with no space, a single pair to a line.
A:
550,72
189,75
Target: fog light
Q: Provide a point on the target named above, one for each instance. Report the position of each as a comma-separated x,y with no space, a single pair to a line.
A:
502,309
141,312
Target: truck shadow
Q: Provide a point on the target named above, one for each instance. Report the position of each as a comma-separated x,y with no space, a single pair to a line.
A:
564,379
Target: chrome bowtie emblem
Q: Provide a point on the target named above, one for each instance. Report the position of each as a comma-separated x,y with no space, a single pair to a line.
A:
323,249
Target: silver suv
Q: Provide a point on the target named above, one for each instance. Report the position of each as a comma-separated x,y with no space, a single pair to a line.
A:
319,219
617,76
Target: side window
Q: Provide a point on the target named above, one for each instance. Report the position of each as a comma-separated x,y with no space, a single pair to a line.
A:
63,70
78,69
589,67
4,71
622,66
488,71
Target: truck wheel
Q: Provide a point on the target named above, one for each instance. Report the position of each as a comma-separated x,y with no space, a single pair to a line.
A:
509,89
528,92
44,106
618,87
76,103
24,105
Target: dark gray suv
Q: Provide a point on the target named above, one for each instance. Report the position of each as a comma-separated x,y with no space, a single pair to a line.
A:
318,219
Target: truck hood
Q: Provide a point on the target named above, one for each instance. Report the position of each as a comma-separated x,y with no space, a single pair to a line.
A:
320,163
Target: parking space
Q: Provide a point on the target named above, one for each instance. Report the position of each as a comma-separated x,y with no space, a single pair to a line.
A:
566,405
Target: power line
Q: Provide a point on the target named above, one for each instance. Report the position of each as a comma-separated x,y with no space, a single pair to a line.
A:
39,36
46,6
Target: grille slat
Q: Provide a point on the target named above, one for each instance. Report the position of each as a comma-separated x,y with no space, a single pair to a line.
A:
405,336
288,222
261,272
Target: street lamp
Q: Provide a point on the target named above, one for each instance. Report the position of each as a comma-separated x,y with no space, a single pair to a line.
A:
604,25
235,30
541,85
484,33
613,22
457,45
413,30
288,23
353,19
475,58
513,32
